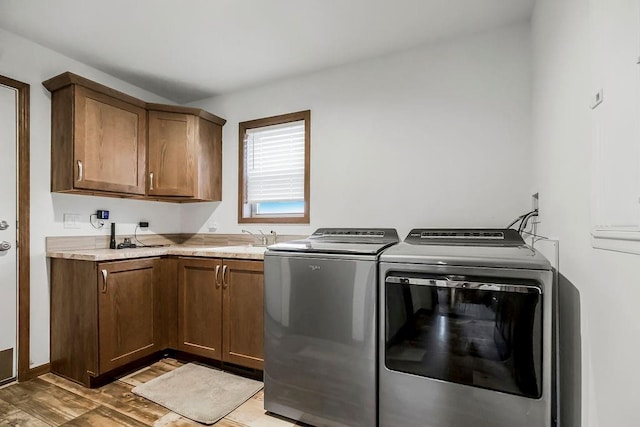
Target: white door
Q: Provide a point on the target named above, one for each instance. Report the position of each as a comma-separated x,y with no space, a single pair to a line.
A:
8,215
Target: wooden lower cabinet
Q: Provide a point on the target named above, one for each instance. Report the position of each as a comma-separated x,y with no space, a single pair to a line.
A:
125,312
104,315
200,307
220,310
242,311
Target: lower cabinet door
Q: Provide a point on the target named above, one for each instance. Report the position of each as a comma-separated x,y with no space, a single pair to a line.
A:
243,334
126,311
200,307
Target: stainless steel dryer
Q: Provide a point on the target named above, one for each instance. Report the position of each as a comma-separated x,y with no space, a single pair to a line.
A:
466,331
320,326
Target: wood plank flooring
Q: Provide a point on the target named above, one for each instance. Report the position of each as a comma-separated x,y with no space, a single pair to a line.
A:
50,400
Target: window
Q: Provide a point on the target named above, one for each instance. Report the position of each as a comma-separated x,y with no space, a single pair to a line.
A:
274,169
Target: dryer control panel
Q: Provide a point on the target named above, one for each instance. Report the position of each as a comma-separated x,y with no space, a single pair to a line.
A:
465,237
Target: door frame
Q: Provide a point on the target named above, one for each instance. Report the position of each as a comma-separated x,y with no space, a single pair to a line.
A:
23,215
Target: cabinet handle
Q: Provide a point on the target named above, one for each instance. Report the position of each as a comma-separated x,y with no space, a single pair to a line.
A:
217,271
150,180
79,170
104,281
225,284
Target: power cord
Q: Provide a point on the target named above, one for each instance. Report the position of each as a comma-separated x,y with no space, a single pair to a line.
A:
135,236
97,223
523,219
516,220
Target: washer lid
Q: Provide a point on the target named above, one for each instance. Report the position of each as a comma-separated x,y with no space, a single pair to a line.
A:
367,241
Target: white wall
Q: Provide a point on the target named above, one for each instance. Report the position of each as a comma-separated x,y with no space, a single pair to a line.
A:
599,289
23,60
437,136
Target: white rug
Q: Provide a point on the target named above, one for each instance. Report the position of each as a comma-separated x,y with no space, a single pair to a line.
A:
199,393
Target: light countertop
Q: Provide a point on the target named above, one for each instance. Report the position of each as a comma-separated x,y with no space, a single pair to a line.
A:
239,252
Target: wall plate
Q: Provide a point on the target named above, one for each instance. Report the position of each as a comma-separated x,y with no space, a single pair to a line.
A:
71,220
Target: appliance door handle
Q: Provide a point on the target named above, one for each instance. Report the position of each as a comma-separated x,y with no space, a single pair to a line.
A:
217,272
104,281
445,282
225,277
80,171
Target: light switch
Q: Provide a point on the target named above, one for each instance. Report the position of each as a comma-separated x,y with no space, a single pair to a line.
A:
597,99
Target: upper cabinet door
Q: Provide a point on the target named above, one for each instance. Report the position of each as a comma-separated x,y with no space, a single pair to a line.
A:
171,167
109,143
209,149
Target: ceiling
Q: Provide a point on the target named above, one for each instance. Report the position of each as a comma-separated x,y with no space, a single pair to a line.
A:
187,50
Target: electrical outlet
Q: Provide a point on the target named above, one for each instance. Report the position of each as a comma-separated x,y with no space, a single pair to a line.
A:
143,224
71,220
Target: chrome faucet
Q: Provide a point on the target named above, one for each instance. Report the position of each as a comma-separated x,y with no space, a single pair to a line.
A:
262,240
275,236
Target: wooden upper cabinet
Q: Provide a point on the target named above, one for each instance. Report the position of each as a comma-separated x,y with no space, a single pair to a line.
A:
98,138
184,154
102,144
172,140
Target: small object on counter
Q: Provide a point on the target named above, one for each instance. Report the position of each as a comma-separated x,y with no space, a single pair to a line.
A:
112,241
126,244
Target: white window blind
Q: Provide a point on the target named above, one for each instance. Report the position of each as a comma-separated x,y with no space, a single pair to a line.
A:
274,159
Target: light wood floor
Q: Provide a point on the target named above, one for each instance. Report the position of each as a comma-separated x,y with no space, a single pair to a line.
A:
53,401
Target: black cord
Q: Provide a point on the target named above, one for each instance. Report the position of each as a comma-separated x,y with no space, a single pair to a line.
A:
100,222
521,218
525,220
516,220
135,236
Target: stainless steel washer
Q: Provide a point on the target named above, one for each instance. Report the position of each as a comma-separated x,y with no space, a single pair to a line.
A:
320,326
466,331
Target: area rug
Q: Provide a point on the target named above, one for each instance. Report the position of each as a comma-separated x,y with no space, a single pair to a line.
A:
199,393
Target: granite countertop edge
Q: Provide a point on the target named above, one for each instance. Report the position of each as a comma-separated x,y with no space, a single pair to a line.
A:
149,252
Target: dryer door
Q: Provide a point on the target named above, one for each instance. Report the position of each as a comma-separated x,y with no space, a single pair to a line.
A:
477,331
